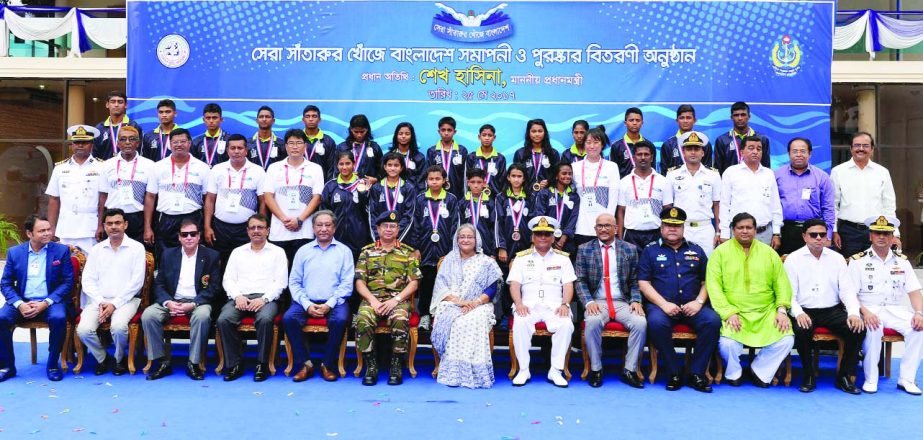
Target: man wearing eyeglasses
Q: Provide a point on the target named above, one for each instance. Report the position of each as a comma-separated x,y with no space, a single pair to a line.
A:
73,190
176,189
254,279
235,192
185,285
607,286
863,189
805,192
126,176
820,299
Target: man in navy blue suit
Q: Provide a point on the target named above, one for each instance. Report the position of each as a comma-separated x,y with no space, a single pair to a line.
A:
37,283
186,284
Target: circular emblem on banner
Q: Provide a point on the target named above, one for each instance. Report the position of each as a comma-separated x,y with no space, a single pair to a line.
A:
786,56
173,51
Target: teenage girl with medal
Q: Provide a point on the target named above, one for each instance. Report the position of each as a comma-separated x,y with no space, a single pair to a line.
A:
435,218
515,207
538,156
562,203
346,197
487,158
393,193
479,208
576,151
405,143
366,151
596,181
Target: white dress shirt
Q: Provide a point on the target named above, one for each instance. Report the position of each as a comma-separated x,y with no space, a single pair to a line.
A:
861,193
597,196
126,181
693,193
263,271
613,273
542,278
113,275
819,283
236,191
642,198
753,192
179,189
883,284
292,188
185,286
78,188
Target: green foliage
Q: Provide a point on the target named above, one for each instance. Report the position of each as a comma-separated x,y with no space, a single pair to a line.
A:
9,235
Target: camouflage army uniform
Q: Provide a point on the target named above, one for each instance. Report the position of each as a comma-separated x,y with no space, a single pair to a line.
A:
385,273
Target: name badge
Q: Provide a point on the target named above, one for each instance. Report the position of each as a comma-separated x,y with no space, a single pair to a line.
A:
806,194
456,160
125,194
233,202
33,269
294,199
590,200
175,200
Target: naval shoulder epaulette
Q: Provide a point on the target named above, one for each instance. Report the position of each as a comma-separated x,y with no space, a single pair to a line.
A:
560,252
858,255
524,252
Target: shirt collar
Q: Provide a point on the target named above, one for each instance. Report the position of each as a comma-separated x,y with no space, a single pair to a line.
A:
749,132
172,127
319,135
272,136
484,197
343,182
454,146
521,196
853,164
576,152
216,136
333,242
439,196
793,173
125,121
479,153
629,142
40,251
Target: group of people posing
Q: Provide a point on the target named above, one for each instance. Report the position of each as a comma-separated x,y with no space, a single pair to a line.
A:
439,232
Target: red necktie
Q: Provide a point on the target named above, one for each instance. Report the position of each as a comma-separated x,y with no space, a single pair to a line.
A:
606,281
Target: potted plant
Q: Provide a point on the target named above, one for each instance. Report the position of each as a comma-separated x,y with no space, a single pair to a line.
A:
9,235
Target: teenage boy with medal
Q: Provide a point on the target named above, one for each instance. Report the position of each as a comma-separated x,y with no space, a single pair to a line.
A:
265,147
155,145
321,148
562,203
729,146
623,150
435,219
211,147
487,158
481,211
448,154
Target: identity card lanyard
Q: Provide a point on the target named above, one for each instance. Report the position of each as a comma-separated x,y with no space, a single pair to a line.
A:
173,174
634,186
243,178
118,171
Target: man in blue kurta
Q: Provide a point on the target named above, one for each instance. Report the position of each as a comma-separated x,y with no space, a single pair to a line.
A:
749,289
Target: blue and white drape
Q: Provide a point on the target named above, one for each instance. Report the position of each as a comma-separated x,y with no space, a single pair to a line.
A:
880,31
108,33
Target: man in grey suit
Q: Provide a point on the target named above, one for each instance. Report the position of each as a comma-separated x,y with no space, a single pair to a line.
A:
186,283
607,286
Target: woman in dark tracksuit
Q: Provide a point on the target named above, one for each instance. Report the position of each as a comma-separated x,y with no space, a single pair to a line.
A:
515,207
561,202
347,197
405,144
399,196
537,155
366,153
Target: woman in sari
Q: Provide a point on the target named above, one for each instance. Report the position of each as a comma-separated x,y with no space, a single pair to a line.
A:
463,311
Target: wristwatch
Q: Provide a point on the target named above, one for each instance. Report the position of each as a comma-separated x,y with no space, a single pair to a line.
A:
701,303
566,305
782,309
919,312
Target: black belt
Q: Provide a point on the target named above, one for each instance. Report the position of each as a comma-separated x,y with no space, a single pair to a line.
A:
762,229
853,224
799,224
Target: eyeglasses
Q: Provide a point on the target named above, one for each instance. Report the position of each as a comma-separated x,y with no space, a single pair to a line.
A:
186,234
179,141
256,228
129,139
605,226
862,146
817,234
295,144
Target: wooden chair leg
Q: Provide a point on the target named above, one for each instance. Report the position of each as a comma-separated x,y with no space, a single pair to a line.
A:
341,362
132,343
816,352
78,348
567,374
840,349
33,339
358,369
586,357
288,354
653,351
273,350
412,351
719,372
514,365
150,360
219,347
64,356
887,360
788,370
436,361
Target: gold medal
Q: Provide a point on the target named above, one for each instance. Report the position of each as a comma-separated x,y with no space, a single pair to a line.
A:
362,187
536,187
486,192
448,185
516,235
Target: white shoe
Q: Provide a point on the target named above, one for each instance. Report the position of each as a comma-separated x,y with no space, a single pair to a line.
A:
555,377
909,387
521,378
870,387
425,323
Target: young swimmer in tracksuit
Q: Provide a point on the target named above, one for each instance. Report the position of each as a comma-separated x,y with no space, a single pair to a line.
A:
480,209
366,152
448,154
487,158
347,196
399,196
435,220
405,143
515,208
537,155
560,202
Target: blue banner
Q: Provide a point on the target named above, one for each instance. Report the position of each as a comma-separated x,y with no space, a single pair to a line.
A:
501,63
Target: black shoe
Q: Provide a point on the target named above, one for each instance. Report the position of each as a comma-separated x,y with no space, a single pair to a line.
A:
809,384
596,379
757,381
371,369
163,370
103,367
735,382
847,386
121,368
54,374
233,373
396,376
629,378
261,373
194,372
699,383
674,383
7,373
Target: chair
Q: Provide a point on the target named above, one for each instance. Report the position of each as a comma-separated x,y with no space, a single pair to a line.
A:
823,334
78,260
891,336
612,329
312,325
145,289
540,330
682,332
414,336
248,324
786,373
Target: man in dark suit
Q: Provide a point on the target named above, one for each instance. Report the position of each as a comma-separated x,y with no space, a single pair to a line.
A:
37,283
186,284
607,286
